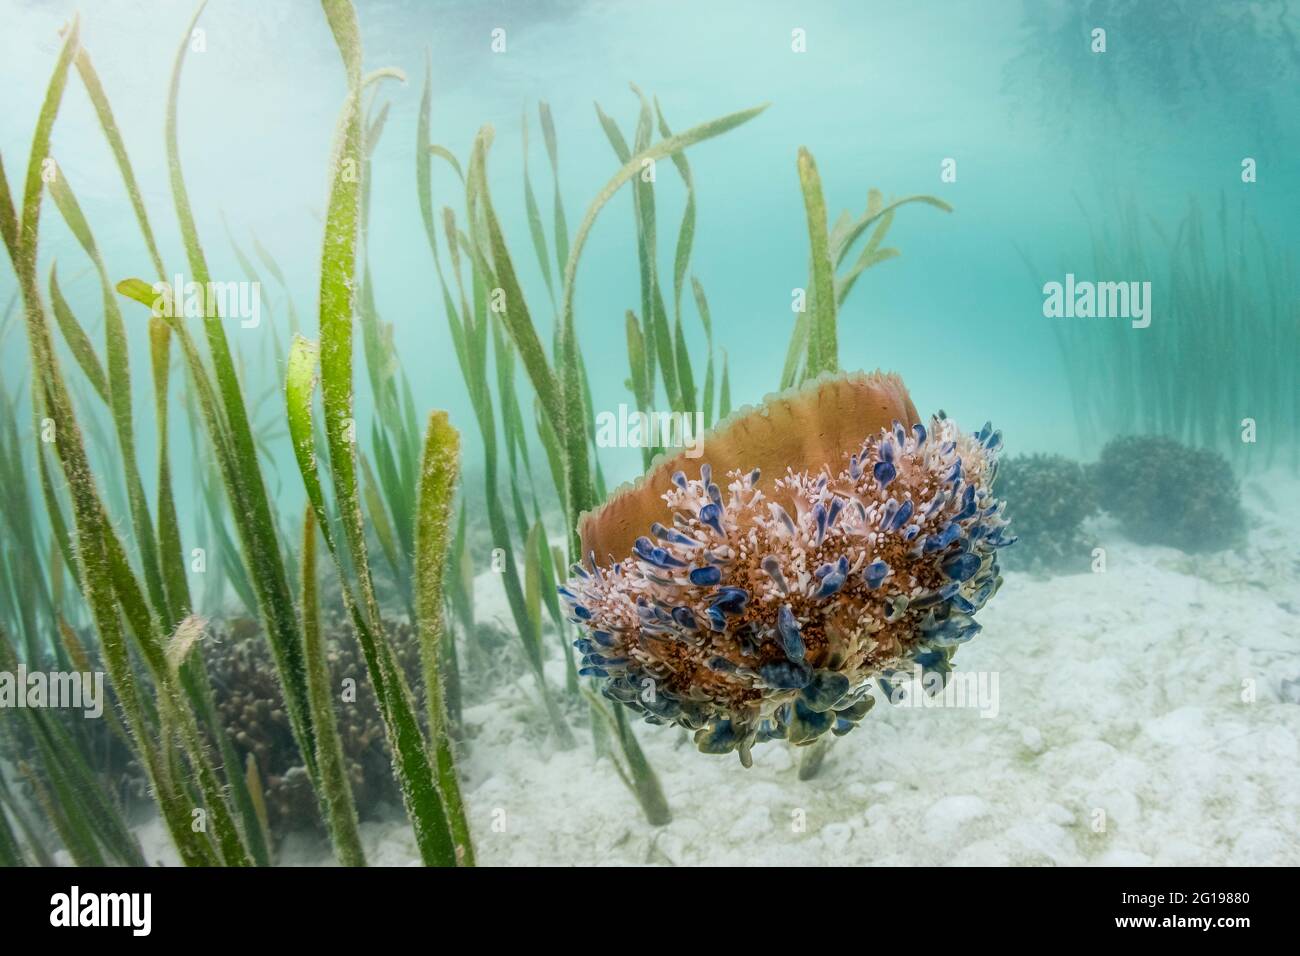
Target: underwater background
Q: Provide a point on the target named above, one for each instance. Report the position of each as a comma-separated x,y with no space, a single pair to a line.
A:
1158,687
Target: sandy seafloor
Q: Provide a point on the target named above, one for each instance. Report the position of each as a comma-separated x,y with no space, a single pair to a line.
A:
1164,692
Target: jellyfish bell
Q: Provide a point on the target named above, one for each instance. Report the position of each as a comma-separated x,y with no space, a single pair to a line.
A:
805,428
823,538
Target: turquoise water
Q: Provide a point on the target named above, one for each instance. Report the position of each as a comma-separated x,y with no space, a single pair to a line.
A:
883,95
1049,150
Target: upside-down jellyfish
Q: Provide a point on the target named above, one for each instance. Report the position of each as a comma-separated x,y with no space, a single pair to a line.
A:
822,539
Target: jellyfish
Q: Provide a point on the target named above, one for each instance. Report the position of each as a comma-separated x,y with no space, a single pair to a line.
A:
818,541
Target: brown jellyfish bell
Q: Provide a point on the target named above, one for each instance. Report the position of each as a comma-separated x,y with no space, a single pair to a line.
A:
805,428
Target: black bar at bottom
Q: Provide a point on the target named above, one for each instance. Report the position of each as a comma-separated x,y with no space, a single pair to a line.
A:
336,906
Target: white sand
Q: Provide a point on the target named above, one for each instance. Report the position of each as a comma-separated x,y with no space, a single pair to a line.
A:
1126,733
